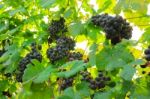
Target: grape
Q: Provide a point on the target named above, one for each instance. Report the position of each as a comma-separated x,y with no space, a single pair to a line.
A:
57,53
115,40
66,82
147,51
75,56
66,41
34,54
61,50
143,72
56,27
98,83
147,57
143,66
115,28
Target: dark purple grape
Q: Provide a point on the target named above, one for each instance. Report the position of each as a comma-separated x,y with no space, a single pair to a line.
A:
143,66
147,51
143,72
115,28
147,57
34,54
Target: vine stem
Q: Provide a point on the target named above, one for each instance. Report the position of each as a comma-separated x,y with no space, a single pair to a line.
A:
86,48
138,17
80,6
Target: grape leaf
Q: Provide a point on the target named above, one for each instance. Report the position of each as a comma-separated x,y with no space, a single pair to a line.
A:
128,72
103,95
47,3
37,73
76,28
76,66
83,89
92,54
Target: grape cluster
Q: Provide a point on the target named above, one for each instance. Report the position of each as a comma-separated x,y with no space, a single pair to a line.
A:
67,42
56,28
115,28
34,54
61,50
147,57
98,83
147,54
75,56
66,82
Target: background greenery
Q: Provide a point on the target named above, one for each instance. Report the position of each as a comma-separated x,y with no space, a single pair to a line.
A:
25,21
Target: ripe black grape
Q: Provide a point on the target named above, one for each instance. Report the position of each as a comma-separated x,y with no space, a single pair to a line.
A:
75,56
61,50
66,41
66,82
147,54
147,51
98,83
56,28
34,54
57,53
147,57
115,28
143,66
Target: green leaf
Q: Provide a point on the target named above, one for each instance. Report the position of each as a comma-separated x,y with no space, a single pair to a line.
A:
112,58
126,86
137,62
37,73
83,89
11,32
106,4
69,92
4,85
114,64
92,54
3,36
64,97
103,95
76,66
20,9
118,7
41,91
47,3
4,57
76,28
128,72
94,32
68,12
44,75
145,36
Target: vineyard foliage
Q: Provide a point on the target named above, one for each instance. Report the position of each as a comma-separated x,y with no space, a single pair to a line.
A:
73,49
